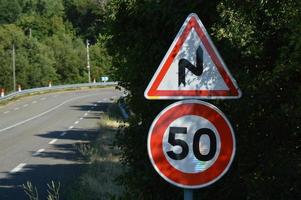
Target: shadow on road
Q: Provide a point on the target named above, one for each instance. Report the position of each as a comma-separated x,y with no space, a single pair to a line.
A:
42,174
100,106
74,134
98,110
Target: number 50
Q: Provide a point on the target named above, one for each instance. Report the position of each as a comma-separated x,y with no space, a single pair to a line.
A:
173,131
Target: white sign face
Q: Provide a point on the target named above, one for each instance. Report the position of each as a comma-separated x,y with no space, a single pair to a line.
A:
191,144
191,164
210,79
192,68
104,78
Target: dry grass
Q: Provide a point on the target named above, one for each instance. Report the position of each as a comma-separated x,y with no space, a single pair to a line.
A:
108,122
98,180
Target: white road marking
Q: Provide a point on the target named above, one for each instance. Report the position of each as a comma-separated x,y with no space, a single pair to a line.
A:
38,152
71,127
25,105
6,112
98,101
34,102
89,111
44,113
81,118
17,108
76,122
52,141
43,98
85,114
105,99
18,168
63,133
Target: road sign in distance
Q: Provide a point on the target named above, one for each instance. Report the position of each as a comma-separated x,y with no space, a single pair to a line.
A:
191,144
104,78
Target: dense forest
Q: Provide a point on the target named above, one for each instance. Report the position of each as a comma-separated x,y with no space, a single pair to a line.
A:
261,44
50,42
259,41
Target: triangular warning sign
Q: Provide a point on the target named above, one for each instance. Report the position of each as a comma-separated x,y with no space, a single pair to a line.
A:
192,68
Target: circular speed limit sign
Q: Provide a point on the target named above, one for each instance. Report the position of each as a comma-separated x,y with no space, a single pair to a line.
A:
191,144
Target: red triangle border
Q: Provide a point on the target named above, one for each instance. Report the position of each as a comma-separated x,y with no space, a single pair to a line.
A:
233,91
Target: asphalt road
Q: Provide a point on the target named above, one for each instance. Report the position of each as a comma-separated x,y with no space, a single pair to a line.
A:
37,137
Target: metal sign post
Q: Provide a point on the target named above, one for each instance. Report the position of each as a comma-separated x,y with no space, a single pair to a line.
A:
188,194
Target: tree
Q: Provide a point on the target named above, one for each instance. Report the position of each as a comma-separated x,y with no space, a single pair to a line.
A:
260,43
69,54
41,67
141,33
9,35
34,61
101,61
9,11
87,17
45,8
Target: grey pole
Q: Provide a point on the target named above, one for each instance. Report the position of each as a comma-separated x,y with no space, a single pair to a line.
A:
14,67
188,194
88,61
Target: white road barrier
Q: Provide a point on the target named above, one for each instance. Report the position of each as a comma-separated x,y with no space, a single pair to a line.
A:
58,87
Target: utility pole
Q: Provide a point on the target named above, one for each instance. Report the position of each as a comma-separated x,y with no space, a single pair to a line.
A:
14,66
88,61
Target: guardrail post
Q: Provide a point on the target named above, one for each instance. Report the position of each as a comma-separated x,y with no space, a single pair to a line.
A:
19,88
49,83
2,92
94,81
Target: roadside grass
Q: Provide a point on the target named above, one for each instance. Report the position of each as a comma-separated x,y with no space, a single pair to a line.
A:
32,192
98,179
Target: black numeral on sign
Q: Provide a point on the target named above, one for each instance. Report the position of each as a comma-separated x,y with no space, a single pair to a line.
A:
196,144
177,142
173,131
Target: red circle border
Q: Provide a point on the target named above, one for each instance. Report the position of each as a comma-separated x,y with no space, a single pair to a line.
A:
162,165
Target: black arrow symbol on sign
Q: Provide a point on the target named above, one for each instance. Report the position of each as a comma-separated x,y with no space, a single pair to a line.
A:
196,70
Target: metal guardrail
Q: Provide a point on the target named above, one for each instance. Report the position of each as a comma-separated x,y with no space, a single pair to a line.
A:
58,87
